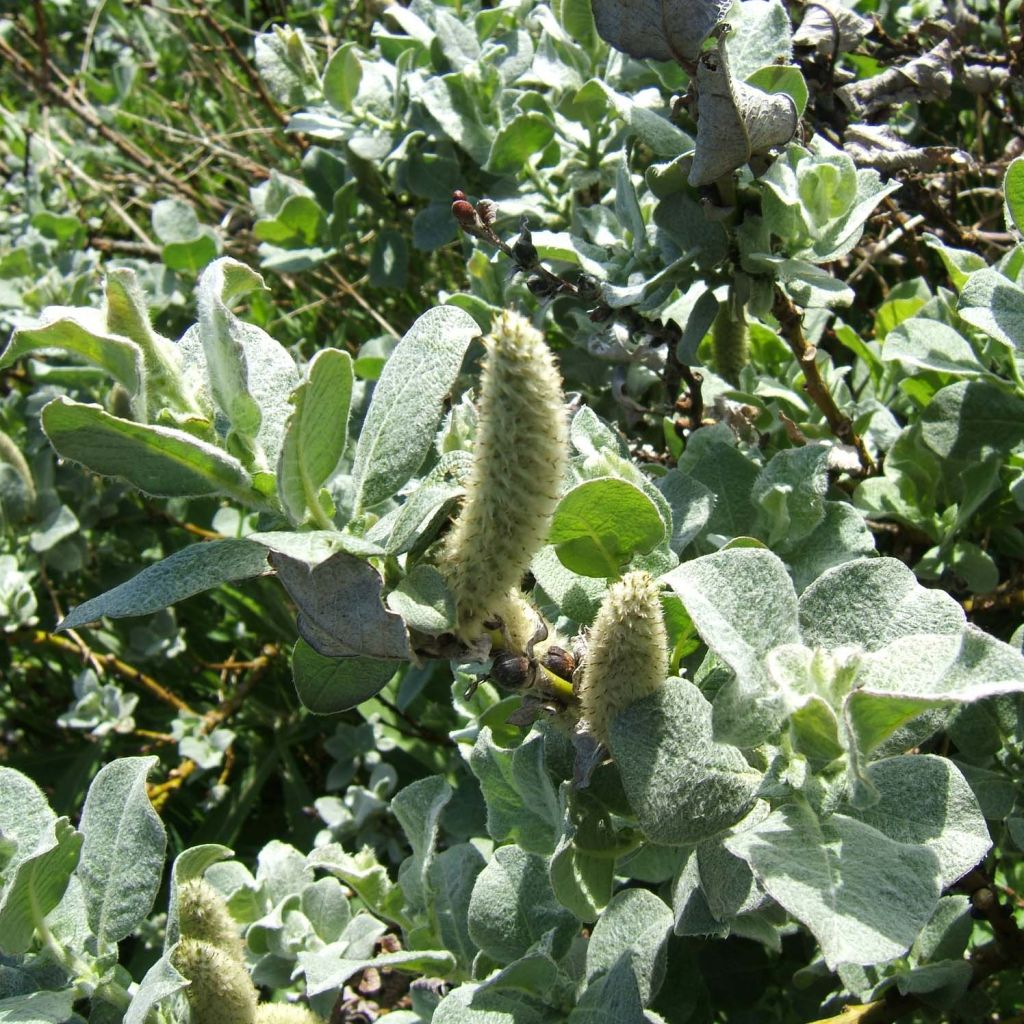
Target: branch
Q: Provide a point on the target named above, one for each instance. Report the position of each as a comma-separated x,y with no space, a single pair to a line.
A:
791,327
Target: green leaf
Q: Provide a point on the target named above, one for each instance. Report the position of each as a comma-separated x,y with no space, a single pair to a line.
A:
407,402
123,851
683,785
157,460
729,475
63,228
692,505
512,906
190,257
1013,191
522,803
600,524
342,76
316,434
424,601
37,885
85,336
841,536
189,571
450,103
389,260
340,609
517,142
969,420
924,800
582,867
577,597
863,896
329,685
776,78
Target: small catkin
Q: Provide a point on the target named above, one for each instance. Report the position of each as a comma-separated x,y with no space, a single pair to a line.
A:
203,914
221,991
627,653
519,459
285,1013
730,340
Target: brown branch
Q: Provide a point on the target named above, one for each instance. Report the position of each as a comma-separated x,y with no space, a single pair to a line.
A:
84,111
110,662
791,327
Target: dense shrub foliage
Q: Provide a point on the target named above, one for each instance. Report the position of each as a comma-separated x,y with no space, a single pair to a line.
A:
609,413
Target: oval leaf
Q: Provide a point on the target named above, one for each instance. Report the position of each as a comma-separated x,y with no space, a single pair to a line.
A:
329,685
600,524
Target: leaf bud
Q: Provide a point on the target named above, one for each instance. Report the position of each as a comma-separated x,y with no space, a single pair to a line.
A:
221,991
541,286
523,249
465,213
559,661
627,652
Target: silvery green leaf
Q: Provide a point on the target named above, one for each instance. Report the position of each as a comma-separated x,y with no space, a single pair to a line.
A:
633,928
736,120
123,851
522,802
729,475
761,34
841,536
315,434
418,808
25,817
690,905
968,421
790,492
162,461
189,571
864,896
407,402
478,1004
160,982
36,886
658,29
451,876
691,503
925,801
38,1008
328,968
871,601
251,375
513,906
451,105
682,785
922,344
340,609
611,998
743,604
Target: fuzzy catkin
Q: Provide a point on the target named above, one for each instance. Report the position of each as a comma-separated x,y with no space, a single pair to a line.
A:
221,991
203,914
730,343
519,459
285,1013
627,652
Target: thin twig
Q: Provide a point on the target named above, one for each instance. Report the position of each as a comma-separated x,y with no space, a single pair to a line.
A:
791,325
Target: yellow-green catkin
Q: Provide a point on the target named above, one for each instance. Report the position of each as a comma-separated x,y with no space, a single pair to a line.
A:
221,991
730,342
285,1013
203,914
519,459
627,652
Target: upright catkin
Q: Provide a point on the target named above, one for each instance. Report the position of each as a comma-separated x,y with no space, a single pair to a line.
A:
221,991
730,343
285,1013
627,652
203,914
519,459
